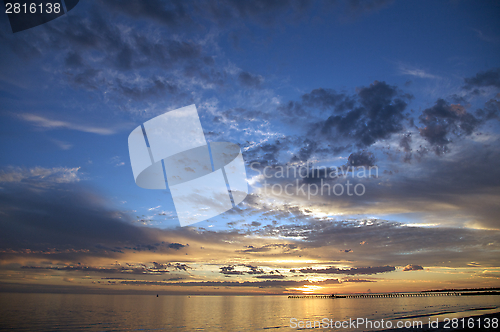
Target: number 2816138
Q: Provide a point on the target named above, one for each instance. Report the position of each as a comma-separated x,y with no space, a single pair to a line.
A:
32,8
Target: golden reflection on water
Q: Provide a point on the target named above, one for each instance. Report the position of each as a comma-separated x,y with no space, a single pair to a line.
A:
42,312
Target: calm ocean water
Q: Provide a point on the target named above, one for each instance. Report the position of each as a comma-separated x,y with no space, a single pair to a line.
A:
76,312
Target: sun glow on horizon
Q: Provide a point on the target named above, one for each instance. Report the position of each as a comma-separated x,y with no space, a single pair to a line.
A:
309,289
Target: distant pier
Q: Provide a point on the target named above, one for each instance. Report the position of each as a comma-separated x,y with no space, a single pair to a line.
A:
364,296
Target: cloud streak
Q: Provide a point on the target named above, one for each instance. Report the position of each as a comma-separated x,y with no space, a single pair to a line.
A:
40,176
415,72
50,124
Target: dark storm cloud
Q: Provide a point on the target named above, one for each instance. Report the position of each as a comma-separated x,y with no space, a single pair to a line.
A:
490,111
333,122
242,269
456,99
444,246
192,14
465,187
126,53
489,78
123,50
260,284
96,50
155,268
254,269
269,153
250,81
361,158
180,266
69,218
292,109
247,269
121,269
324,100
405,144
285,247
170,13
308,148
379,115
442,120
328,99
230,270
350,271
393,243
176,246
273,276
97,54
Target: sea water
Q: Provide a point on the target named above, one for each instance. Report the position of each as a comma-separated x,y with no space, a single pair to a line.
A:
87,312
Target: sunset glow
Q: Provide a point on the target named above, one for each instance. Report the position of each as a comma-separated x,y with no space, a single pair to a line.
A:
369,135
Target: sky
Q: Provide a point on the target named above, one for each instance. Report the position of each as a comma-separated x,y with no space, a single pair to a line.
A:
369,129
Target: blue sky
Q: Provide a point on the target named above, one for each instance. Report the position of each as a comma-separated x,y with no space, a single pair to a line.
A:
410,87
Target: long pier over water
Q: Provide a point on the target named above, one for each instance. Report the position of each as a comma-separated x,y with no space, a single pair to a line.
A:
364,296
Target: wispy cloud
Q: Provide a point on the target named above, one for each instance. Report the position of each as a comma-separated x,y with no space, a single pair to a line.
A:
61,144
412,71
40,175
44,122
482,36
116,160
